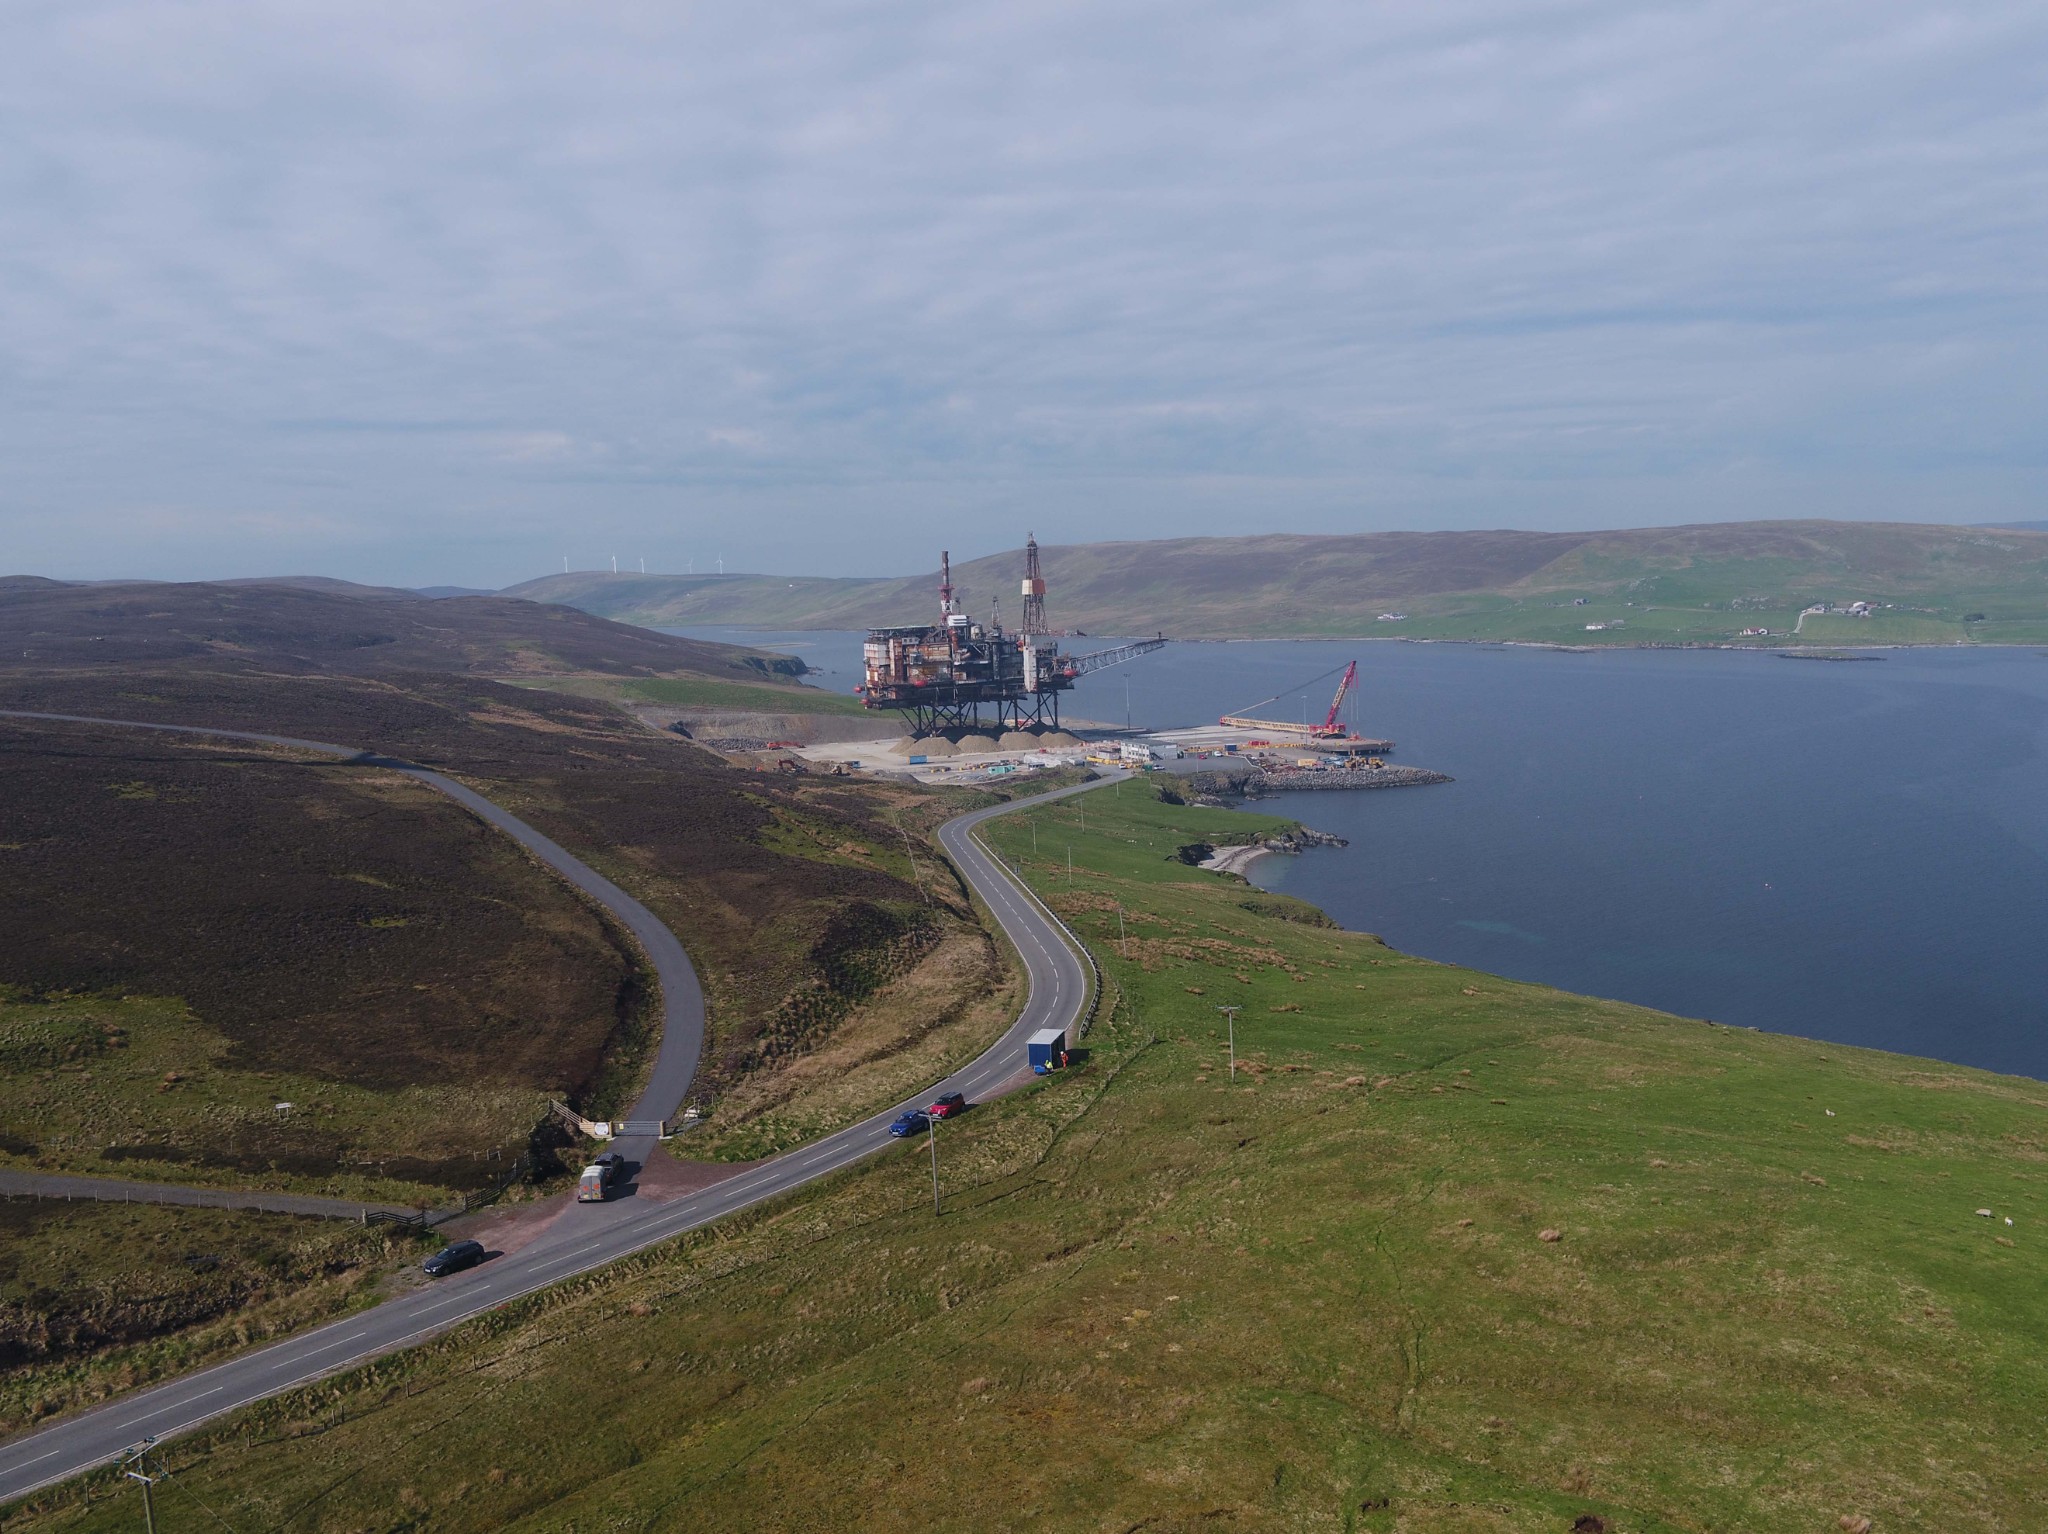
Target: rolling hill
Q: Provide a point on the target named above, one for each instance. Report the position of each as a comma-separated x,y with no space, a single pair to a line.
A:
1699,584
306,626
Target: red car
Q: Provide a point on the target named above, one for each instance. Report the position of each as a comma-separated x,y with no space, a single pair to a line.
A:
949,1105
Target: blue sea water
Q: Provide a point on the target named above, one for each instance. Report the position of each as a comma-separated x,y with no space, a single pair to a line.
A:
1854,851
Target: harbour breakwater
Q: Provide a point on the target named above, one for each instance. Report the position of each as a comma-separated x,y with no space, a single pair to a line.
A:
1253,782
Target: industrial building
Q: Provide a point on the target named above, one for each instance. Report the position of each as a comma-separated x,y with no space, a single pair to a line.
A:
945,674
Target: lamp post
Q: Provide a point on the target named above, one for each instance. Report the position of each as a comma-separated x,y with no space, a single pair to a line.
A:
1230,1016
931,1124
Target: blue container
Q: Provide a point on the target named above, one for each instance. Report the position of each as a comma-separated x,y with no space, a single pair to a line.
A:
1045,1048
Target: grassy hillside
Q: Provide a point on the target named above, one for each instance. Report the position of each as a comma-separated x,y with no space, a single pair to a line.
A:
798,898
98,1298
1699,584
201,930
197,931
309,627
1448,1254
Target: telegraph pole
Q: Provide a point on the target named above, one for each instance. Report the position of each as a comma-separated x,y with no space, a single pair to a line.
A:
931,1124
136,1468
1230,1015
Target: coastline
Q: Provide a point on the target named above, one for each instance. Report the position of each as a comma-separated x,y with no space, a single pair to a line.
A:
1238,856
1235,860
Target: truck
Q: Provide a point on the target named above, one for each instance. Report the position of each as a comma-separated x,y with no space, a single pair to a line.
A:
1046,1050
595,1185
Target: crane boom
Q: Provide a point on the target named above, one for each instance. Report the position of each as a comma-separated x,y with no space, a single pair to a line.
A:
1329,729
1350,674
1081,665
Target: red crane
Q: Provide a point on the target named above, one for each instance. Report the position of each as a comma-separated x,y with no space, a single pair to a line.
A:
1329,729
1330,725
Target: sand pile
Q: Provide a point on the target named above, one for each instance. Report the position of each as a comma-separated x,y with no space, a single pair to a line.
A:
1059,740
971,744
1019,740
932,745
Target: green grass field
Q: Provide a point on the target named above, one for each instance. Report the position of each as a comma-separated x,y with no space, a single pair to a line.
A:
1448,1253
100,1298
137,1087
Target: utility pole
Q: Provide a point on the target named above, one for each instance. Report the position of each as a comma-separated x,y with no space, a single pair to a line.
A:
1230,1015
136,1468
931,1124
1070,862
1122,946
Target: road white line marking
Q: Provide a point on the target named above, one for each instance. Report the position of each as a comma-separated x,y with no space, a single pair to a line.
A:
1023,920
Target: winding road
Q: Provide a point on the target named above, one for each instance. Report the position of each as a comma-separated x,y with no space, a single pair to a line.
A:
585,1236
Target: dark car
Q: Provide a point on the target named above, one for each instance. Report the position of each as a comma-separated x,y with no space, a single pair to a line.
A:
947,1106
453,1258
908,1124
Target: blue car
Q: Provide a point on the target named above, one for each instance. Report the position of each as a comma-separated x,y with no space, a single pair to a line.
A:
910,1123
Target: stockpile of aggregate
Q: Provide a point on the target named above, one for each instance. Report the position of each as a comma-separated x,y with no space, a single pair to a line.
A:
932,745
968,745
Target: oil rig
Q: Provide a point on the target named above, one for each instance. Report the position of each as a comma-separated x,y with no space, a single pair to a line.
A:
944,674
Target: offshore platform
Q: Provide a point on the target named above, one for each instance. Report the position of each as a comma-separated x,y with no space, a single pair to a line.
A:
944,674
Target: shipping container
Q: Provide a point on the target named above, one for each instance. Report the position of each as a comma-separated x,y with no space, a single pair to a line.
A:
1046,1049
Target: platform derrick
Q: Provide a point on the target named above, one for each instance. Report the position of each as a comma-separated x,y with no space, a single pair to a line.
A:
961,675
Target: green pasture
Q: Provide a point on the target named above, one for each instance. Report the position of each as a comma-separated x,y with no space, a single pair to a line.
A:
113,1085
96,1298
1446,1253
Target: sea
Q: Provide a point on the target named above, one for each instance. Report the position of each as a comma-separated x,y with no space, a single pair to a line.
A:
1850,850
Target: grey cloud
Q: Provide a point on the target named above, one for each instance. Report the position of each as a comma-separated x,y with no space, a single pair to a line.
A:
426,292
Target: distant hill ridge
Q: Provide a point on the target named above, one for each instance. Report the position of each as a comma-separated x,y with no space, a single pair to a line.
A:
309,625
1703,584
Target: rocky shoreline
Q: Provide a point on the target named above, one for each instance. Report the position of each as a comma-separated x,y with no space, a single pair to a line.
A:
1235,859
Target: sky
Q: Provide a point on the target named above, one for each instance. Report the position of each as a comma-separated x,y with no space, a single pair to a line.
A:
453,293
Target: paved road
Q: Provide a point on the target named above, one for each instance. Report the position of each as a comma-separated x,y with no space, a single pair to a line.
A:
588,1235
120,1190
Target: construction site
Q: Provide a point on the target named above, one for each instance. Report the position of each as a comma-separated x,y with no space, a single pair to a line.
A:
977,698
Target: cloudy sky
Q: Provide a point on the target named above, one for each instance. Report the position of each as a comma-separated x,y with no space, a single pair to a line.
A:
451,292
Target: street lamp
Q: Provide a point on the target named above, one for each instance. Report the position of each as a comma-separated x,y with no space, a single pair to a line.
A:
931,1124
1230,1015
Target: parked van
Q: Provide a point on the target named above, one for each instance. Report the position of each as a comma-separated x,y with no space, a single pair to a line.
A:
595,1185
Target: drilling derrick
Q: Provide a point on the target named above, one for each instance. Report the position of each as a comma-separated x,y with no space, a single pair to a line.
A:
1034,590
943,674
